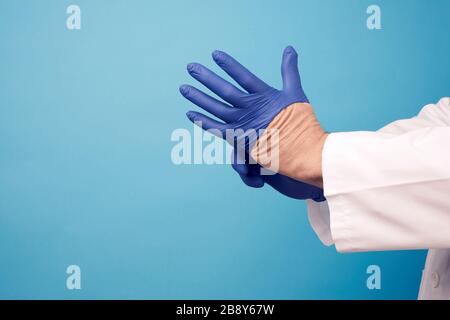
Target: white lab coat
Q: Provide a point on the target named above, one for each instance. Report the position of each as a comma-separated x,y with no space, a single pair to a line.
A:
390,190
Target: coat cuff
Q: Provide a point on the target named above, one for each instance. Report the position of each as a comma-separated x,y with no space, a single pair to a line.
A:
319,218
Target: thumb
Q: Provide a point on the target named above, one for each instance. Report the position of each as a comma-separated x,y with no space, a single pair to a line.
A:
289,69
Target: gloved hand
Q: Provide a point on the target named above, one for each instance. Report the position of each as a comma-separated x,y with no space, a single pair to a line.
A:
253,109
251,176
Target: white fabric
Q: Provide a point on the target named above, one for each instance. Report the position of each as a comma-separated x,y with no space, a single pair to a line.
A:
390,190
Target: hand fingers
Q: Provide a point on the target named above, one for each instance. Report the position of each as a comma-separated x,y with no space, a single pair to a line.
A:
240,168
238,161
238,72
253,181
206,123
208,103
216,84
289,69
249,173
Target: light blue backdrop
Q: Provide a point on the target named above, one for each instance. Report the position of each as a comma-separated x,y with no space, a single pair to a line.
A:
85,123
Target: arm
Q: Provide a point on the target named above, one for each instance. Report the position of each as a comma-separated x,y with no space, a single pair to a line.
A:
377,201
385,190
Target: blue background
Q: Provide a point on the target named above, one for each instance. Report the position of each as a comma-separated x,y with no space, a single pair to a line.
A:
85,122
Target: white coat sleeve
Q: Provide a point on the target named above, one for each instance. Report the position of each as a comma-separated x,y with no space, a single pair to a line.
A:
390,189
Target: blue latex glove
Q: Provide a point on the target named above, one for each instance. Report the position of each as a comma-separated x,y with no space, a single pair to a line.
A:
251,176
253,109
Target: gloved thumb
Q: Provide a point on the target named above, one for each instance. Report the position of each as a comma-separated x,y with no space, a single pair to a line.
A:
289,70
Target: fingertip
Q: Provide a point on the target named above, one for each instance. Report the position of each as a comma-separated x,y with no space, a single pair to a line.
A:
254,182
190,115
259,183
242,169
217,55
184,89
191,67
290,50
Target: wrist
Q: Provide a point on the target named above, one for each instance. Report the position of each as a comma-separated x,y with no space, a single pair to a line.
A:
310,163
293,144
